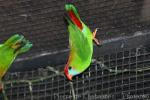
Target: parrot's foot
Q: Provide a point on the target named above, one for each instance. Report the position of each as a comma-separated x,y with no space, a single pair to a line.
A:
96,41
94,37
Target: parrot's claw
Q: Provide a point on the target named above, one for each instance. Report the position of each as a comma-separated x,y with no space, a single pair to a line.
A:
94,36
96,41
94,33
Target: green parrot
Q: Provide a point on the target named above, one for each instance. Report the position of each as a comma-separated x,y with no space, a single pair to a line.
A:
9,50
80,42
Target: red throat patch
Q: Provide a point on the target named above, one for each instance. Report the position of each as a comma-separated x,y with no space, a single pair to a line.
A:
75,19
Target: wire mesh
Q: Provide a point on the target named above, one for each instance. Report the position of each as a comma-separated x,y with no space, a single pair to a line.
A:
128,79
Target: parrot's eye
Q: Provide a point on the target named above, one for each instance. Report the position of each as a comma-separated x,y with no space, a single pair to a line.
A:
69,68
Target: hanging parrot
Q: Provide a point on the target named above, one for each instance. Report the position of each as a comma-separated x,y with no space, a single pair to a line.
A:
80,42
9,50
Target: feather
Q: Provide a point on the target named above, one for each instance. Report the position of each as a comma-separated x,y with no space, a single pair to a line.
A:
74,16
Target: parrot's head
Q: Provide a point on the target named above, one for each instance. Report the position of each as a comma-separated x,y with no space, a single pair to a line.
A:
18,43
70,72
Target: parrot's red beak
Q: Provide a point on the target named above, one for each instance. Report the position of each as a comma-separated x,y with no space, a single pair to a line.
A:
69,77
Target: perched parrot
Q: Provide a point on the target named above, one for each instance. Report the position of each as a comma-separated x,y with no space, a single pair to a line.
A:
80,42
14,46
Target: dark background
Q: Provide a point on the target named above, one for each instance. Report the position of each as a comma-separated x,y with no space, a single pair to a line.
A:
124,34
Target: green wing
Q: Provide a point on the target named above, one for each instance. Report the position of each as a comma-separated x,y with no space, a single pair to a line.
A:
79,41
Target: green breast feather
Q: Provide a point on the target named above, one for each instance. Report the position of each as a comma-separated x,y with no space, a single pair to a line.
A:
81,46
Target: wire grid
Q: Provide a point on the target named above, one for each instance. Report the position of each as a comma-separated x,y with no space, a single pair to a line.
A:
43,24
129,82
